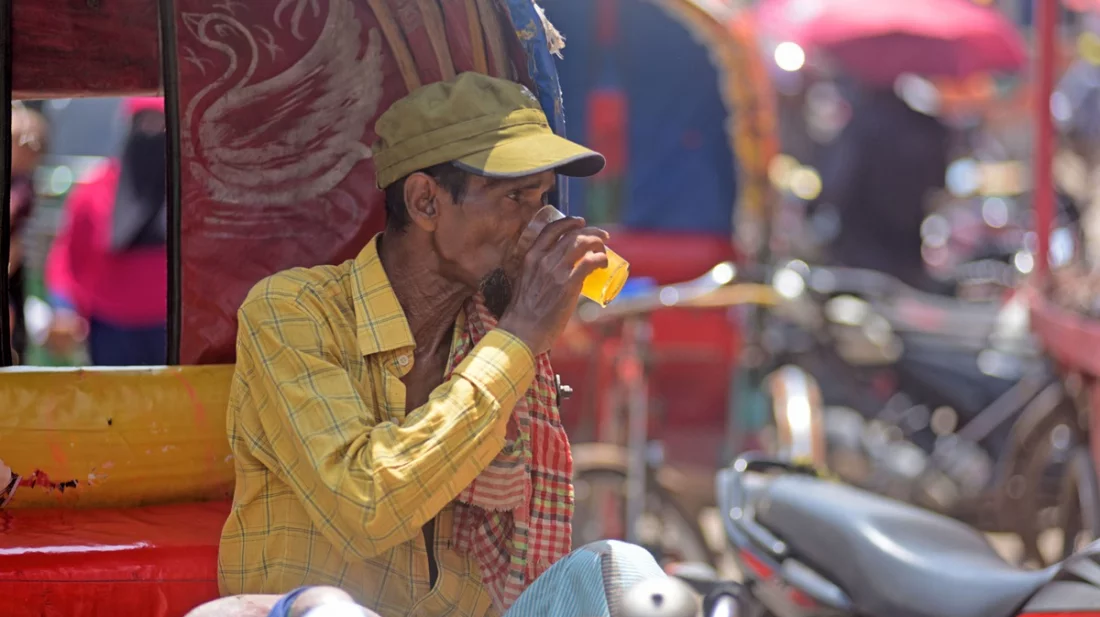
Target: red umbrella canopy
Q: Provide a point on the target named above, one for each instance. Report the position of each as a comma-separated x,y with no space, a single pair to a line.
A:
878,40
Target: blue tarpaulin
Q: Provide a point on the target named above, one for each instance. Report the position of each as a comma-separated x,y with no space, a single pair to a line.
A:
679,173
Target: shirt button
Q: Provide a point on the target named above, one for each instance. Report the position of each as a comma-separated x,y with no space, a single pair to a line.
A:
403,360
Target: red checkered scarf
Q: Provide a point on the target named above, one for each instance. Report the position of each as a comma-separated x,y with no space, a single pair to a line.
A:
514,519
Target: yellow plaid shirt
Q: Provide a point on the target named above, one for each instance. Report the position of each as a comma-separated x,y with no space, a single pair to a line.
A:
335,480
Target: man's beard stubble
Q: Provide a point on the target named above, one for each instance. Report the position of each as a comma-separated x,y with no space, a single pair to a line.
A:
496,289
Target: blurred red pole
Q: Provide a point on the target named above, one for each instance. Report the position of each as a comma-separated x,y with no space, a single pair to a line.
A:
607,23
1046,33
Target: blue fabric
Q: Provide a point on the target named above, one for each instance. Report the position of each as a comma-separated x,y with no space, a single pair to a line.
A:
637,286
680,167
111,345
589,582
282,607
541,68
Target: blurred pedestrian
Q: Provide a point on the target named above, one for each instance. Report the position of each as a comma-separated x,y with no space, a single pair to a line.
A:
28,142
879,175
107,274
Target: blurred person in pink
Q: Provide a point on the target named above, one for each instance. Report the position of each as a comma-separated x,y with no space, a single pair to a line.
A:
107,272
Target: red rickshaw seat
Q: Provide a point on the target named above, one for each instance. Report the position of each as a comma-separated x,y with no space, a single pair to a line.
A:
157,561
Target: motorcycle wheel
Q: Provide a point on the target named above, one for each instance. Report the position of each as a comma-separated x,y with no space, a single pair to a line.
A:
665,529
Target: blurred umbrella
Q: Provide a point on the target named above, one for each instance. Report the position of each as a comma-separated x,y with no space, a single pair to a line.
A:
878,40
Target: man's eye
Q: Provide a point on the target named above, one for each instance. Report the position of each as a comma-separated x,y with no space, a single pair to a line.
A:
514,196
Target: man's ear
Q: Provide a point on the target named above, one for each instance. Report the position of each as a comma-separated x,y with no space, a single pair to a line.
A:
421,195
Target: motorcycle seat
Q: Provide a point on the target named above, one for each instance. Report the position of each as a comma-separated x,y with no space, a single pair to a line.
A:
892,558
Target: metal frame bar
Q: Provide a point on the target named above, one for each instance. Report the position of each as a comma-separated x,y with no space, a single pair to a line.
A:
1046,14
170,83
5,185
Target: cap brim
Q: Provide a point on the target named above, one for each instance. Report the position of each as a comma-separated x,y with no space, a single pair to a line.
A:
532,154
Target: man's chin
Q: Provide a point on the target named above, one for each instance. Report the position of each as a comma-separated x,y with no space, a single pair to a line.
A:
497,303
496,290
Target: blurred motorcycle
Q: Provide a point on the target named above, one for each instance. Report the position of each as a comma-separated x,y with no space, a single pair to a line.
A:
981,247
808,546
943,403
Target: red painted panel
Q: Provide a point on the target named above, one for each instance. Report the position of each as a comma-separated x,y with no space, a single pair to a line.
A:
157,561
84,48
1069,337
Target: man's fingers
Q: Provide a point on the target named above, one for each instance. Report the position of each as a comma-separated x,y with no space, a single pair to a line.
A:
553,232
573,245
581,246
588,264
596,231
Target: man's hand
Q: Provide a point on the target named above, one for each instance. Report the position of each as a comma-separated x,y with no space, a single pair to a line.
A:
67,331
553,271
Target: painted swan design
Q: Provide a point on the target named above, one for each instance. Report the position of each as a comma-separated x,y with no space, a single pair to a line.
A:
290,138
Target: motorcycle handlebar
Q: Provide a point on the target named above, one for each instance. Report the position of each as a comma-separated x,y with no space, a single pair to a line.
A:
723,604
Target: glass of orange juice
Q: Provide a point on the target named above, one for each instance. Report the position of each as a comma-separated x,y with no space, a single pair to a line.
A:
603,284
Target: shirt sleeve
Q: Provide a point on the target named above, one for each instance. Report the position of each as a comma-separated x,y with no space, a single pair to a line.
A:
370,485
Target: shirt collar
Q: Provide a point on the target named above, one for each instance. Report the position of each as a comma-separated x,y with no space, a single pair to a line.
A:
380,321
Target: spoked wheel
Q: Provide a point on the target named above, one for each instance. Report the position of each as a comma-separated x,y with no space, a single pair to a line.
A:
1042,489
665,529
1078,510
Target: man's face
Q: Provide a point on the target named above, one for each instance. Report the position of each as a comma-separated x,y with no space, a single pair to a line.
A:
476,239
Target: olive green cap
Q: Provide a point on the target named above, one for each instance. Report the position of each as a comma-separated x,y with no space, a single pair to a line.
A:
487,126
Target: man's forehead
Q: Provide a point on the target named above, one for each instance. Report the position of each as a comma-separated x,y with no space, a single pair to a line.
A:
544,180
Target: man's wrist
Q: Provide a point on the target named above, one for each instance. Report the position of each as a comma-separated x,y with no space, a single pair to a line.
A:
519,330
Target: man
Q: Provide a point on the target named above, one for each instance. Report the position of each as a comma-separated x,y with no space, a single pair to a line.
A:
393,419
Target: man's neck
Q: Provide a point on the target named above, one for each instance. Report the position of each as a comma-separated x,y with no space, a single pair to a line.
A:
430,302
